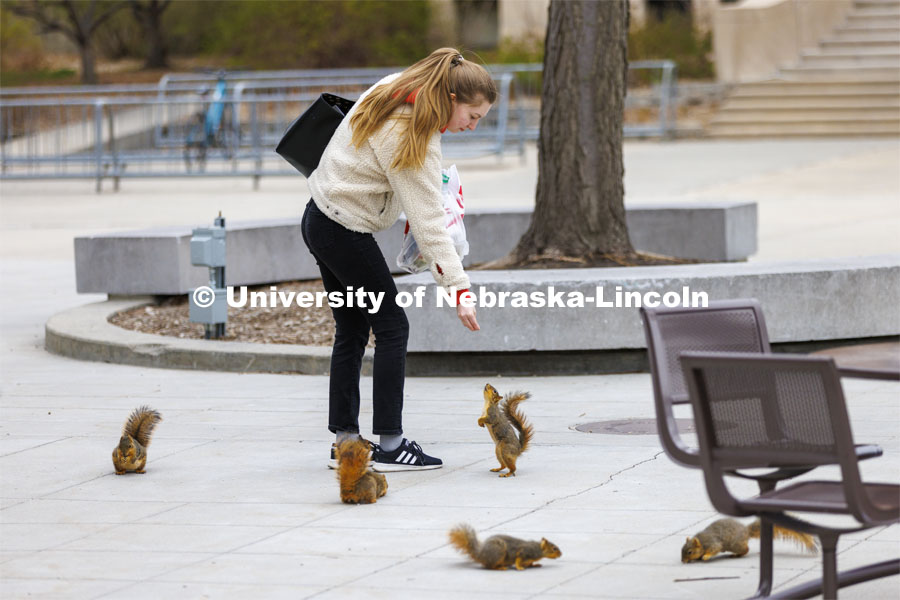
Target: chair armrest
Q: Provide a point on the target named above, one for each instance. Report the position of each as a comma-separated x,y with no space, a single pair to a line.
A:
864,451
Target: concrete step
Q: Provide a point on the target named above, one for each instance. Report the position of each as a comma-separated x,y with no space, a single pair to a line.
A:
862,73
880,29
869,26
876,5
874,12
888,129
857,44
874,49
862,37
806,115
871,61
810,102
817,88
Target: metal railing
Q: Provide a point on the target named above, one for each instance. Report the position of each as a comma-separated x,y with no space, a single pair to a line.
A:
142,131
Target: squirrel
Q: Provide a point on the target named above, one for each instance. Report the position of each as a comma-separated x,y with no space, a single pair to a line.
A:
502,551
729,535
359,484
131,453
508,428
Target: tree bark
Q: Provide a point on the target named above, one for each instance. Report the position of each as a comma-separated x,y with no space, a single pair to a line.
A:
579,211
88,64
149,16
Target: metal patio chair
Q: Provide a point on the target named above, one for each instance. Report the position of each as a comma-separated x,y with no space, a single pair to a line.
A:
722,326
783,412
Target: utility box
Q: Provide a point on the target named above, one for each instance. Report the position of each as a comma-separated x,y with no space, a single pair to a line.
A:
208,247
209,303
212,311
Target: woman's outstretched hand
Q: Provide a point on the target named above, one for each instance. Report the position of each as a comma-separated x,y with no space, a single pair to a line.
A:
466,314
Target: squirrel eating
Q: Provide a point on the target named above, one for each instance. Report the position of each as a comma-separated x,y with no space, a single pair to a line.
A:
359,484
729,535
131,453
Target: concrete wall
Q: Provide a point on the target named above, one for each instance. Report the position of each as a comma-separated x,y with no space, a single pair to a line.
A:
826,299
528,18
753,38
158,262
522,18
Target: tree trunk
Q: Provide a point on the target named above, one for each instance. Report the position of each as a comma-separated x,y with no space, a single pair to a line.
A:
88,62
149,16
579,208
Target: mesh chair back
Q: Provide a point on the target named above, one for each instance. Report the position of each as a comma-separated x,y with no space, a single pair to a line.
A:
723,326
765,411
755,410
768,410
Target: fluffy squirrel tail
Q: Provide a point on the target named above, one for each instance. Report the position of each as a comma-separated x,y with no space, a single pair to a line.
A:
804,539
353,462
141,423
464,539
515,416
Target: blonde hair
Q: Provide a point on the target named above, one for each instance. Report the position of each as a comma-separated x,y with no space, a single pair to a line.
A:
432,80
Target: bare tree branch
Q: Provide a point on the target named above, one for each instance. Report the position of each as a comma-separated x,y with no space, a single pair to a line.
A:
36,11
63,16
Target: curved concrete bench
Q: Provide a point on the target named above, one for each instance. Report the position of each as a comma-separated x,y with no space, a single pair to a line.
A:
807,304
822,299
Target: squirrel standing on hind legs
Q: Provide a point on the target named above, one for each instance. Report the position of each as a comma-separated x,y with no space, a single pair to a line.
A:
508,428
131,453
502,551
359,484
729,535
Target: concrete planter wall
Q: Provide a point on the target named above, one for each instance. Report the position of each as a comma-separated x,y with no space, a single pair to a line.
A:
803,301
157,261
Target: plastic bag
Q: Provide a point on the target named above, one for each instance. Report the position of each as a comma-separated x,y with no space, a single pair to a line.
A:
410,259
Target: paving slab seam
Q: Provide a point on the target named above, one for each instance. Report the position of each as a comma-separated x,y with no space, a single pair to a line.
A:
178,504
600,566
206,556
235,550
379,570
576,494
68,437
814,572
375,572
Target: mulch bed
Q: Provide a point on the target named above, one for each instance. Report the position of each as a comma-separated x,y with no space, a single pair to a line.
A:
312,326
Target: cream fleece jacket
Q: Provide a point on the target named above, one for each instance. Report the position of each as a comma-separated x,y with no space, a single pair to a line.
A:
358,189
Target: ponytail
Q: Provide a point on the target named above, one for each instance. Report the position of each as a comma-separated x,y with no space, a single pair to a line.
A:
429,84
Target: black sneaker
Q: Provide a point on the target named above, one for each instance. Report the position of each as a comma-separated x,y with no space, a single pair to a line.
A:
408,457
333,463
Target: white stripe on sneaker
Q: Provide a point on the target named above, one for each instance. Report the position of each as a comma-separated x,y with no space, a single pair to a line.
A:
402,456
411,459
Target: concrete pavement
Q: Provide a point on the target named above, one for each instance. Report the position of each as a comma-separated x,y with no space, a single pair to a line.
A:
237,502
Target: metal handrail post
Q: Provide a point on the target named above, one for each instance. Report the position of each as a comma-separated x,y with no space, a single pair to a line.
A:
237,93
673,100
665,99
522,133
5,134
112,148
503,114
161,94
98,142
257,146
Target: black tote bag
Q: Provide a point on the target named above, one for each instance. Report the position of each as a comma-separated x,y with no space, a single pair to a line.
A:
305,140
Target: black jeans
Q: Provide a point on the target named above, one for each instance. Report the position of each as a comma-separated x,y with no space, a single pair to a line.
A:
348,259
